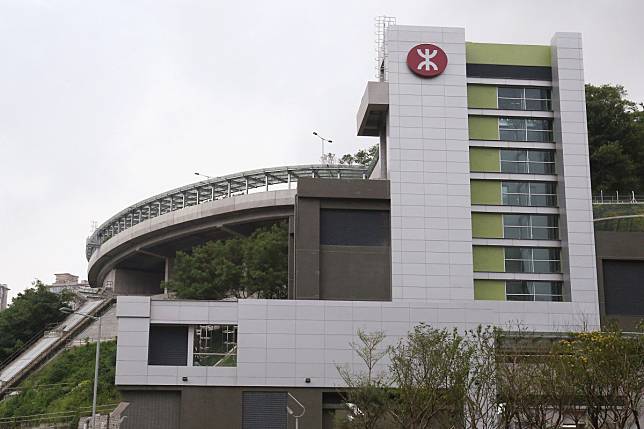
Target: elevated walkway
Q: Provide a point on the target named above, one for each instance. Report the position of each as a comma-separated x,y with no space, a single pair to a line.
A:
41,349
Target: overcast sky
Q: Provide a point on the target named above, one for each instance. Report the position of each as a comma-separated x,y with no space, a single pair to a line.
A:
104,103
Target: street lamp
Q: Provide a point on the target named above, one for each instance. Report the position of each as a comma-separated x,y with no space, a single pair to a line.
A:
203,175
68,310
324,140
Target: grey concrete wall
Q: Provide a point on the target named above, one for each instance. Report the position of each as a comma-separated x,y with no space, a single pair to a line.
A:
335,272
209,407
617,246
133,282
152,410
109,327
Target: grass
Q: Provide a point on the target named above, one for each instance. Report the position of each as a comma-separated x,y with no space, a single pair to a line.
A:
66,383
621,225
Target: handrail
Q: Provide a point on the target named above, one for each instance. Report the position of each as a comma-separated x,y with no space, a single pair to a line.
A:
300,405
618,217
54,347
49,417
48,328
213,189
5,363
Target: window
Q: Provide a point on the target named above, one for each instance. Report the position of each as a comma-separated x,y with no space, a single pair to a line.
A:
345,227
516,98
522,290
215,345
527,161
168,345
525,129
529,194
530,227
532,260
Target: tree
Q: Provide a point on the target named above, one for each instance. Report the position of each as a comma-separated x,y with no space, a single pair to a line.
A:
429,369
616,139
265,260
254,266
608,369
28,315
368,389
480,400
362,157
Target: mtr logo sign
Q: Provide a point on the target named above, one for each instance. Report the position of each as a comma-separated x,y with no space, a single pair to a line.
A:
427,60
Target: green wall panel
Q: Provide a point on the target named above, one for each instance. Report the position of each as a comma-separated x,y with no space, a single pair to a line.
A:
512,55
486,192
487,225
481,97
489,258
485,159
493,290
483,127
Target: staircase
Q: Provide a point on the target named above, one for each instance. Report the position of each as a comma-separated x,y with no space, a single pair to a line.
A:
44,346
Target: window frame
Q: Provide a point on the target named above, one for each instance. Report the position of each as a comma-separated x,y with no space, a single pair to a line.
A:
525,130
533,293
530,262
524,99
230,351
530,227
528,163
530,194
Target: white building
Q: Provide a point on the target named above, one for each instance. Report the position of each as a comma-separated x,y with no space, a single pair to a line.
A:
484,180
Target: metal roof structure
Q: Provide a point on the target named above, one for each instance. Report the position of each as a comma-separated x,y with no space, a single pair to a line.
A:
214,189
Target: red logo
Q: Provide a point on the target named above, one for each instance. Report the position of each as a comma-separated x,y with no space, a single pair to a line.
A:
427,60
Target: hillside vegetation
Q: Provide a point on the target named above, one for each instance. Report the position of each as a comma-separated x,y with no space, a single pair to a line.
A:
29,314
66,383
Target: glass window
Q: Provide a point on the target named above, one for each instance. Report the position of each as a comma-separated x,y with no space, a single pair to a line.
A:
532,260
529,194
518,98
530,227
527,161
525,129
523,290
215,345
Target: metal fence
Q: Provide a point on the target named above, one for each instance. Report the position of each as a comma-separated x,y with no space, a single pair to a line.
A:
618,198
64,419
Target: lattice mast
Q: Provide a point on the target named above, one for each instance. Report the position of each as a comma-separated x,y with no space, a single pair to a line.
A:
381,23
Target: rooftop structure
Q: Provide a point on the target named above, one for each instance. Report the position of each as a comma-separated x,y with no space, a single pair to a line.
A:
67,281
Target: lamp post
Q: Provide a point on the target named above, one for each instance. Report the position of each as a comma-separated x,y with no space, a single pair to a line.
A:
203,175
68,310
324,140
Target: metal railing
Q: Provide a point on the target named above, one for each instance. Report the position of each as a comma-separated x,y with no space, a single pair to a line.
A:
618,198
52,349
33,340
53,419
214,189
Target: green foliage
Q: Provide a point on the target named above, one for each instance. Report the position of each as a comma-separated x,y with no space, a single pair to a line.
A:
66,383
616,140
488,379
29,314
429,369
362,157
254,266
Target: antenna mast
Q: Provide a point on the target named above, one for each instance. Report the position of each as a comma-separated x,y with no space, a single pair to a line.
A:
382,22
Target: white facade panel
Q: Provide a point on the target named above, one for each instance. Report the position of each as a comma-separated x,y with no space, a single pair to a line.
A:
432,144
